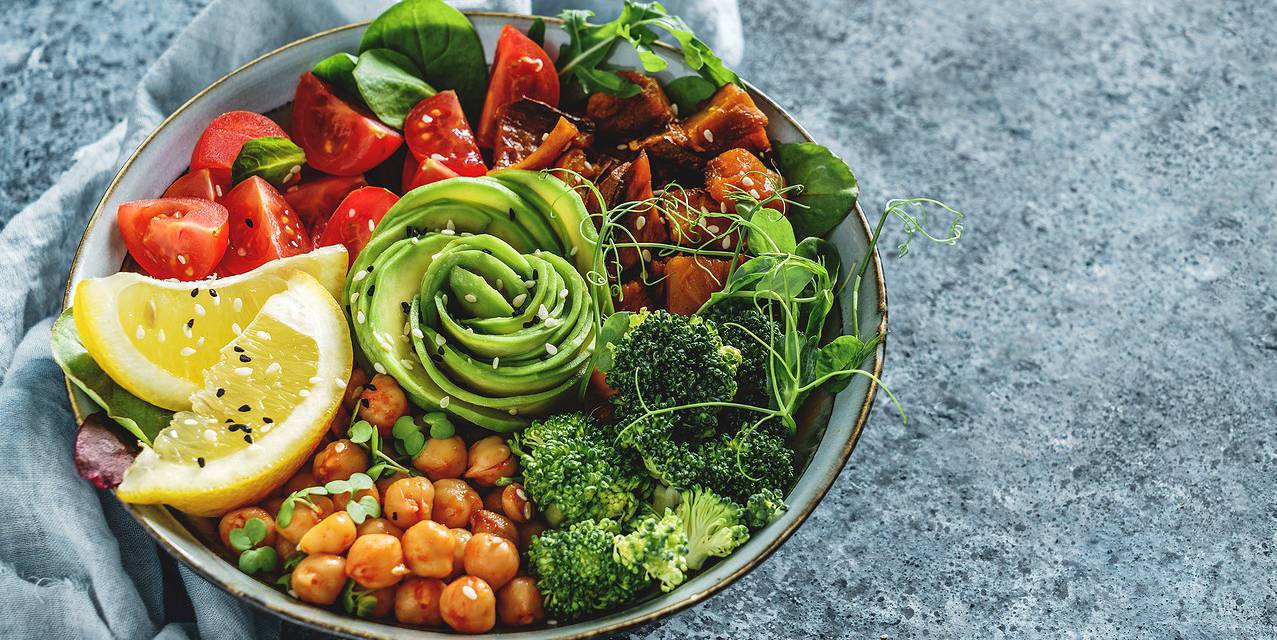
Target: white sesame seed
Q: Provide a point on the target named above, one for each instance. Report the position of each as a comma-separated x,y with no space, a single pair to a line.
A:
444,401
274,368
210,435
243,371
406,363
513,412
622,147
518,491
471,298
414,239
496,360
371,225
754,192
529,283
551,349
518,300
713,228
448,232
437,157
450,225
303,392
140,333
341,384
527,510
353,297
379,368
500,284
470,592
640,223
359,276
181,259
551,323
747,181
187,352
722,207
315,380
572,251
727,242
542,312
200,342
160,336
186,331
709,136
263,335
236,328
217,189
199,309
647,255
418,333
439,339
238,304
360,317
563,293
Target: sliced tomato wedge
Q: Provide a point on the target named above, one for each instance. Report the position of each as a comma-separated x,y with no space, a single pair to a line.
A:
339,138
205,184
222,139
520,69
418,174
262,227
316,200
437,128
355,219
181,238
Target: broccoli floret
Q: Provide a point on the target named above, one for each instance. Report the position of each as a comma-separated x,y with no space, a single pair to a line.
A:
738,466
712,524
577,571
659,547
745,326
764,507
573,470
667,360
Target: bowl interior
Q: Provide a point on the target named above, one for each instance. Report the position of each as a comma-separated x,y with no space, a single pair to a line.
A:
828,429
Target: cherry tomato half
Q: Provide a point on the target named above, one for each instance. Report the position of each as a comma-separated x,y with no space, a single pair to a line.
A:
520,69
353,222
417,174
339,138
262,227
181,238
205,184
437,128
222,139
316,200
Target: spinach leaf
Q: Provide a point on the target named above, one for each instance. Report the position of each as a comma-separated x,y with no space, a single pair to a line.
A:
390,85
843,354
139,417
536,32
613,328
442,43
770,231
689,92
590,46
339,71
823,252
829,189
274,158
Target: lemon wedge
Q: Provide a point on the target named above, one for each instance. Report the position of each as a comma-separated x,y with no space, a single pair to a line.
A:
259,412
155,338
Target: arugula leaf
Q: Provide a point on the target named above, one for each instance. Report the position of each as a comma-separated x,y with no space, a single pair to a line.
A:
142,419
589,47
689,92
338,69
829,188
390,85
275,159
441,41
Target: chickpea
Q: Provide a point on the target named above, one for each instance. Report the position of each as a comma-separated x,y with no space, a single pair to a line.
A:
338,461
462,536
305,517
515,503
354,388
382,402
519,602
339,425
285,549
492,501
490,459
333,534
492,558
492,522
409,501
467,605
384,483
442,458
379,525
455,500
429,549
342,499
529,530
237,518
301,480
375,561
417,601
319,579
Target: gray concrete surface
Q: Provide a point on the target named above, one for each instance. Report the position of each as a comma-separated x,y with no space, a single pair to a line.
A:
1089,375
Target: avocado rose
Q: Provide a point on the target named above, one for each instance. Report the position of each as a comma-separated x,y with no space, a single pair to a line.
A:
471,326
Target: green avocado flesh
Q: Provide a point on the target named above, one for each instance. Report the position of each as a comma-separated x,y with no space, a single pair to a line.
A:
475,312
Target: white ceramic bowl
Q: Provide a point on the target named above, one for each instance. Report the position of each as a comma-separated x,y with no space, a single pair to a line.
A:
268,83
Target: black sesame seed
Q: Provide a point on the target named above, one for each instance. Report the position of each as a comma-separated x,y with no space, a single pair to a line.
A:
407,308
248,439
229,421
220,392
370,386
195,292
528,324
200,462
512,213
212,293
371,288
363,402
243,408
436,358
234,427
266,420
238,349
394,516
369,269
190,323
248,222
244,358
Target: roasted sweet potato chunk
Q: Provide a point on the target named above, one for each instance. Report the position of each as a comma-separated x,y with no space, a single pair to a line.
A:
690,280
645,224
626,118
523,126
635,296
672,156
695,218
739,171
562,136
729,120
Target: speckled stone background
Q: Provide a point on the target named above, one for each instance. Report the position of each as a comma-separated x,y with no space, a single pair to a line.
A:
1090,374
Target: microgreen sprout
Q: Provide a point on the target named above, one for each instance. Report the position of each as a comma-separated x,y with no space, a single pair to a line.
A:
357,601
245,539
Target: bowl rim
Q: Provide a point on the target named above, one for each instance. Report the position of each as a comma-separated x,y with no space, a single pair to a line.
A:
824,482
